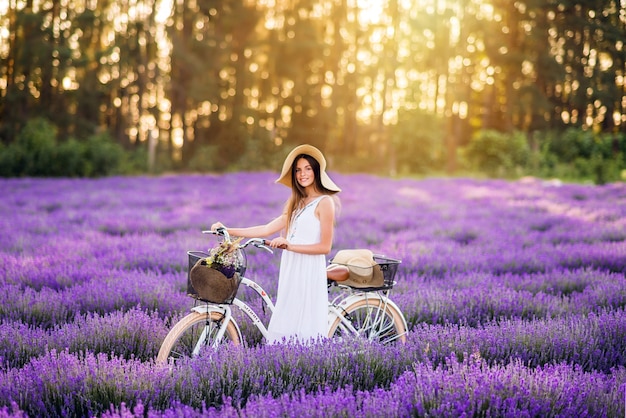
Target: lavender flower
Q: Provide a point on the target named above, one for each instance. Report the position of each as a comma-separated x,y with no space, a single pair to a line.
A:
514,292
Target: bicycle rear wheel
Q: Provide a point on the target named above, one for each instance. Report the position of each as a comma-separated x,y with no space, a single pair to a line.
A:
373,320
194,334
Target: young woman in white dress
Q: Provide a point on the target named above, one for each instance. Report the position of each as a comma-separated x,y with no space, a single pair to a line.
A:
306,226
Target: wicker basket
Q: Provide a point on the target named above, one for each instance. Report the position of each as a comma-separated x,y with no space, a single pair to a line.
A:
208,284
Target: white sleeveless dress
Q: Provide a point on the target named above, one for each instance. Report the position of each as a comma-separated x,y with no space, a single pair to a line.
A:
301,311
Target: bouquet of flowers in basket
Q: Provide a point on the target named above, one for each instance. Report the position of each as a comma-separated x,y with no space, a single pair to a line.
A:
225,258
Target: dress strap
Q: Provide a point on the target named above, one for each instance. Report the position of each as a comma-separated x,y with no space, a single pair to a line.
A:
317,200
313,202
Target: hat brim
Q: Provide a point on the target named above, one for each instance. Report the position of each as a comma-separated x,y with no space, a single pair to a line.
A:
285,174
361,258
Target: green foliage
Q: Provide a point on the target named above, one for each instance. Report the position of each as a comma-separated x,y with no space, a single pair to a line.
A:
578,155
135,161
497,154
582,155
366,160
571,145
203,159
260,154
8,160
33,152
419,141
37,153
103,155
70,161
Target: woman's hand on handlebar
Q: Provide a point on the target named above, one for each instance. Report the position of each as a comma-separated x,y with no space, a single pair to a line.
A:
278,242
216,226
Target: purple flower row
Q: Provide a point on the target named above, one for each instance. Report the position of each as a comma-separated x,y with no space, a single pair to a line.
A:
596,341
476,298
471,298
341,380
469,388
435,225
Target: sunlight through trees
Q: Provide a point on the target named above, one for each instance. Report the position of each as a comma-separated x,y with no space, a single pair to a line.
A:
230,77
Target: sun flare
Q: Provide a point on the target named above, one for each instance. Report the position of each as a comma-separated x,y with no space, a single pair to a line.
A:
371,11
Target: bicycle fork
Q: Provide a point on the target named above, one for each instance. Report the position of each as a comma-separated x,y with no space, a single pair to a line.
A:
209,325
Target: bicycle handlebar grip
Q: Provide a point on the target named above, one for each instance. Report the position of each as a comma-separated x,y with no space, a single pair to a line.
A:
219,231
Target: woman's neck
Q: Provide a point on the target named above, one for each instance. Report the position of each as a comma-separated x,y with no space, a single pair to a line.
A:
310,195
311,192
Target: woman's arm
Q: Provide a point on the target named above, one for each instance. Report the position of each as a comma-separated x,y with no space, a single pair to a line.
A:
258,231
325,212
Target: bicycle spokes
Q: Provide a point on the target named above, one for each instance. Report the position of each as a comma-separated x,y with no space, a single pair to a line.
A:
372,319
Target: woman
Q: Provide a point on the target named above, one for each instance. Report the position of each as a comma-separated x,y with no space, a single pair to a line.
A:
307,227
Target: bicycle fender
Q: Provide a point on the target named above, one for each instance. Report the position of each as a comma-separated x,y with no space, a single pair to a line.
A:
205,309
353,298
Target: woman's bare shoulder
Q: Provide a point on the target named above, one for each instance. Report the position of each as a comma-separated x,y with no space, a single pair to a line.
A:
326,203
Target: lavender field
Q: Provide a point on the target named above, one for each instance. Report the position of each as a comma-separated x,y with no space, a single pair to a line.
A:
514,293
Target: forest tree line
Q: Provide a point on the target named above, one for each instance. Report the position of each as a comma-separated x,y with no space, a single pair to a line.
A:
412,86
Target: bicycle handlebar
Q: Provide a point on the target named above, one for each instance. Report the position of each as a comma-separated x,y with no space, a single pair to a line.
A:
257,242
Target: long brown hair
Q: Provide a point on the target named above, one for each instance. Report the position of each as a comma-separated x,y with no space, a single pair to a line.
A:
296,201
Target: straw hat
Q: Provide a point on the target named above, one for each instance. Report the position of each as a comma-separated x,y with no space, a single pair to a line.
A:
364,271
285,175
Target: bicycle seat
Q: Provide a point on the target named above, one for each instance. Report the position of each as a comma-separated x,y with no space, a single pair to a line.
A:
337,273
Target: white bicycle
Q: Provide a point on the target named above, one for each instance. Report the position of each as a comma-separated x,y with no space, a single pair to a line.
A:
355,312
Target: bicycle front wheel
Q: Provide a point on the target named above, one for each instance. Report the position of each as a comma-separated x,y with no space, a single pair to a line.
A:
372,319
194,334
